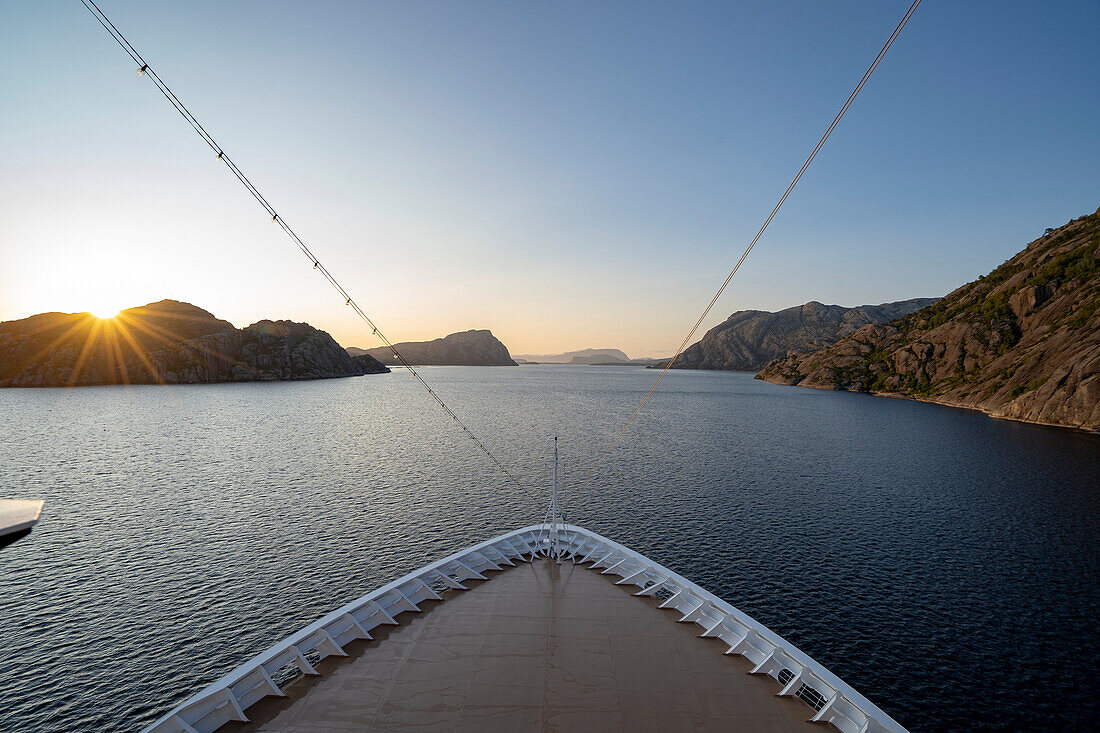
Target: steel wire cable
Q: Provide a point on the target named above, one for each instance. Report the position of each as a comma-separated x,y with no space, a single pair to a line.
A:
760,232
146,70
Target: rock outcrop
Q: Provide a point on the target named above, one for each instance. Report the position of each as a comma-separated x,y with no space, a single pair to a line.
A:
1022,342
748,340
467,348
166,343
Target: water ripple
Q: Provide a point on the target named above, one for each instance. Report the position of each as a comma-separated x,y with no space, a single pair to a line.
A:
943,563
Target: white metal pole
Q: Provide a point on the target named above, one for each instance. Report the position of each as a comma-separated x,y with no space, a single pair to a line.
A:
556,513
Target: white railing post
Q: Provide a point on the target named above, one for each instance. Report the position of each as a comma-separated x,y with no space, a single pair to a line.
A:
844,705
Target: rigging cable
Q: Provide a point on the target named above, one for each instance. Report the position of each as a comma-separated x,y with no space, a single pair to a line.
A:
145,70
775,210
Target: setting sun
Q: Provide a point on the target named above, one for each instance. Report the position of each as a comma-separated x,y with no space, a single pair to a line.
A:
104,314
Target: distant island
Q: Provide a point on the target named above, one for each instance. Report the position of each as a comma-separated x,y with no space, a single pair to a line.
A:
1022,342
748,340
466,348
583,356
589,357
169,342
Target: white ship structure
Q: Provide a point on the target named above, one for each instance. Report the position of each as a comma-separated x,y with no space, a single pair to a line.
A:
548,627
17,518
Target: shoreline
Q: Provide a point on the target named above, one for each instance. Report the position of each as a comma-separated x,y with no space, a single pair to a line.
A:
974,408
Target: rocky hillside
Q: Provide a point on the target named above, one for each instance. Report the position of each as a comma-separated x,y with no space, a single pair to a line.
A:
748,340
467,348
1023,342
166,343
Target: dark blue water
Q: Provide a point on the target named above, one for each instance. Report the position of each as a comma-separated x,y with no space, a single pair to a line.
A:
943,563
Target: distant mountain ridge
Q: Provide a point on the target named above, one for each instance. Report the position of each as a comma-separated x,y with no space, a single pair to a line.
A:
749,339
466,348
581,356
168,342
1022,342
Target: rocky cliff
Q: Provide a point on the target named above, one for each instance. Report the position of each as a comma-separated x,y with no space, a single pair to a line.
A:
748,340
1023,342
166,343
467,348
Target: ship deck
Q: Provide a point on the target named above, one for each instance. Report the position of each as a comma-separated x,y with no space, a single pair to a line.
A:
542,647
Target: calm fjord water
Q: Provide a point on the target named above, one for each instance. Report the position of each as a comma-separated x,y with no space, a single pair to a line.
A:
943,563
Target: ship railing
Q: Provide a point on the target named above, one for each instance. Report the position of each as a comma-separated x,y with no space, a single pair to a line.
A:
267,673
228,699
832,700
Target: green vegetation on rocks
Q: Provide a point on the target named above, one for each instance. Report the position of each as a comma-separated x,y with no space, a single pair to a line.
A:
1022,342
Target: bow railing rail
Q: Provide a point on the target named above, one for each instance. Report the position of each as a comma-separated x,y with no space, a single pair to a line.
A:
227,699
771,654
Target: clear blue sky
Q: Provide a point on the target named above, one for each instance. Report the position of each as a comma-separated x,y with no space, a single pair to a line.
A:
569,174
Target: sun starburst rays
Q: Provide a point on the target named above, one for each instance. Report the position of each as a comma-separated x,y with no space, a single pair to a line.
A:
89,344
124,331
171,338
135,346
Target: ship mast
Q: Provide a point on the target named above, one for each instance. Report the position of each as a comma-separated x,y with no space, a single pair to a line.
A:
553,513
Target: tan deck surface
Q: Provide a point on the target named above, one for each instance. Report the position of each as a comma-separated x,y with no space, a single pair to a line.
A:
538,647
